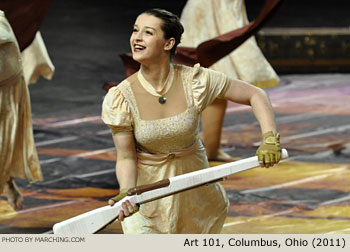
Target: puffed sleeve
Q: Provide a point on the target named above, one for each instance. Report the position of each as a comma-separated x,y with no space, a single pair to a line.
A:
207,85
116,112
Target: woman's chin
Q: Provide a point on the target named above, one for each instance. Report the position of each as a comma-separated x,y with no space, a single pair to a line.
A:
137,58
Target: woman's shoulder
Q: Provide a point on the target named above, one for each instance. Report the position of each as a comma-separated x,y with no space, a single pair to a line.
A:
190,71
124,85
181,67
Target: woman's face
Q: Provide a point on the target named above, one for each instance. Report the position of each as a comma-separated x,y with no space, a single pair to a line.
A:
147,40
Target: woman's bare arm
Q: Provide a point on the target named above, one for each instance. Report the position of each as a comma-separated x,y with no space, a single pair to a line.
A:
126,166
269,152
126,169
244,93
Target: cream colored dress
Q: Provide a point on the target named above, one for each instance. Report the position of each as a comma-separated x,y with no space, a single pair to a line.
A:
18,156
129,107
206,19
36,61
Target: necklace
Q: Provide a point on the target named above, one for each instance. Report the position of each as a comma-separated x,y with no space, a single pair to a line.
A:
165,88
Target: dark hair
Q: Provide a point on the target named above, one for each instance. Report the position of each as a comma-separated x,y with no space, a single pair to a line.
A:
171,25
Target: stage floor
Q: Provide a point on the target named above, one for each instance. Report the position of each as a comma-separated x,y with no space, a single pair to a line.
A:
308,193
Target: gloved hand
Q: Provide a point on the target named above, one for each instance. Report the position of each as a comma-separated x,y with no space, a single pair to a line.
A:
129,208
269,152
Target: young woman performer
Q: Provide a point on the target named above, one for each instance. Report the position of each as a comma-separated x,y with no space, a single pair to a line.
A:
154,117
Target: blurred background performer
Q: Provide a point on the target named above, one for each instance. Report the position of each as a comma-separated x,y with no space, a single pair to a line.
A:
19,33
204,20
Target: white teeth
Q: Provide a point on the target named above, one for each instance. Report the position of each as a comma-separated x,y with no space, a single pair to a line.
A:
139,47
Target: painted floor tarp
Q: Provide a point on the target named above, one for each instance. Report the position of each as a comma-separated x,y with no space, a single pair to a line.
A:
308,193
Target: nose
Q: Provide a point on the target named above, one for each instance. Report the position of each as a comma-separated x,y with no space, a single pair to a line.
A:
138,36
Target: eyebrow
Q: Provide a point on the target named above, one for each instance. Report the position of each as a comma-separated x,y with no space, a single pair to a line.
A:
148,27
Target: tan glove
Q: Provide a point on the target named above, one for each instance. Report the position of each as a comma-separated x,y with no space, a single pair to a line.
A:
122,194
128,208
269,152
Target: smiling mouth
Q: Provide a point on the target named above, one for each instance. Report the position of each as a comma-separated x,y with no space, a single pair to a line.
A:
139,48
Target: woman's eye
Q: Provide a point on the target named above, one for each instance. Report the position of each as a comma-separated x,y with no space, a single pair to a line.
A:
149,32
134,30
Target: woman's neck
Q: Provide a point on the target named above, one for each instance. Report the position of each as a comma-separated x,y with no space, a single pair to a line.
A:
156,74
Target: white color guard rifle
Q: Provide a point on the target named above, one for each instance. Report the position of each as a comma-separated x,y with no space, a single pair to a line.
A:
95,220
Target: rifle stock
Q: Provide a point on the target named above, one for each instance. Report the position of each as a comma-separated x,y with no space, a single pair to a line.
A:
95,220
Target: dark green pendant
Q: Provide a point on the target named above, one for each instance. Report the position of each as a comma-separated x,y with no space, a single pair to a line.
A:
162,100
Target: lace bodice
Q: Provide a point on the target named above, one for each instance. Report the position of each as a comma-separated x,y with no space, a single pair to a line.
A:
200,87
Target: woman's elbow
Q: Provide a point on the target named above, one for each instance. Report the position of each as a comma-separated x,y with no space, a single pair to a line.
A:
259,94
